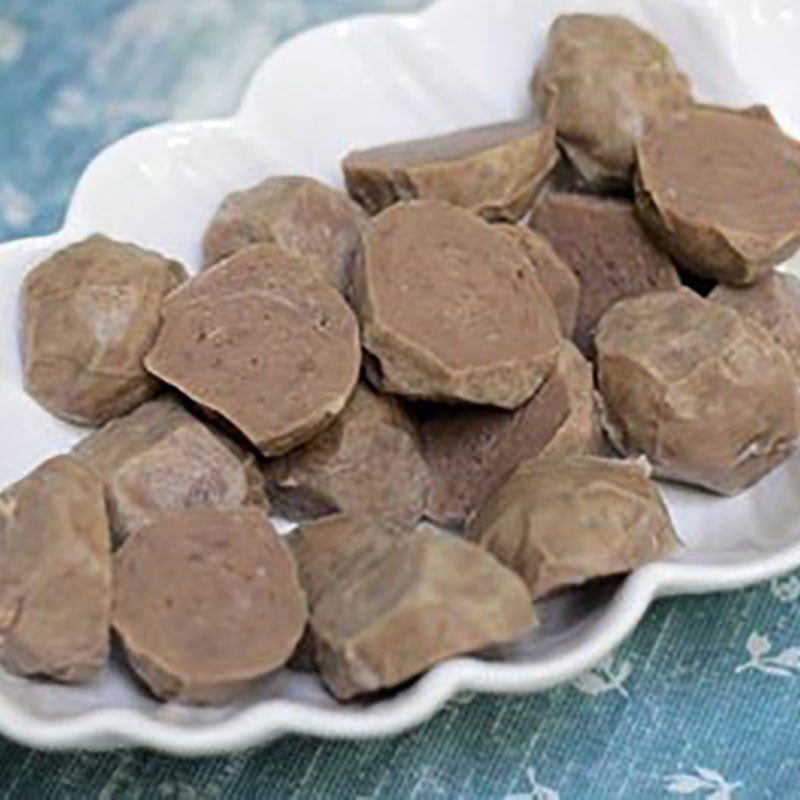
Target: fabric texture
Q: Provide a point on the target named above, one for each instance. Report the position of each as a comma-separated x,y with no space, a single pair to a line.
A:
701,702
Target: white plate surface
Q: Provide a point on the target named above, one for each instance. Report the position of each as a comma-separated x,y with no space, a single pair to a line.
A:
351,84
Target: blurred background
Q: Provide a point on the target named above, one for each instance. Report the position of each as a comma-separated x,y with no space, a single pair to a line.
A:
75,75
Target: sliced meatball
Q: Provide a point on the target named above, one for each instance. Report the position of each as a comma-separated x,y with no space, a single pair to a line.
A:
206,602
681,377
607,80
428,598
55,573
557,279
775,303
495,171
90,313
260,341
471,450
606,248
559,524
300,215
450,309
720,191
159,459
368,462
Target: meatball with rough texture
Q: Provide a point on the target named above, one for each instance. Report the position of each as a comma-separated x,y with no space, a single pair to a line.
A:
368,462
470,450
300,215
703,391
607,249
159,459
55,573
556,277
427,598
451,310
608,81
495,171
206,602
325,551
260,341
719,189
581,433
775,303
90,313
559,524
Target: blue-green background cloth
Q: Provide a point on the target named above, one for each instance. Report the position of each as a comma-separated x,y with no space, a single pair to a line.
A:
702,702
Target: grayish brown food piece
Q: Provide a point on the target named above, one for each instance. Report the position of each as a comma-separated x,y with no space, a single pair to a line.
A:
608,81
259,340
495,171
55,573
160,459
775,303
427,598
581,433
450,308
560,524
720,190
368,462
300,215
609,252
557,279
325,552
90,312
471,450
206,602
703,391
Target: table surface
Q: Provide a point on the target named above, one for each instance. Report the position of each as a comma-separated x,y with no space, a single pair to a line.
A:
701,701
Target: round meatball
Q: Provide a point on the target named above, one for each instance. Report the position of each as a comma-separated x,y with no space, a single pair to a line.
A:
704,392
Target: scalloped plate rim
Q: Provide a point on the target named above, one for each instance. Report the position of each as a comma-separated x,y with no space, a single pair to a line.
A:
112,728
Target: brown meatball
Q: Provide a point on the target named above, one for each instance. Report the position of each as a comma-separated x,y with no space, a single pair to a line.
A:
681,378
300,215
775,303
90,312
428,598
495,170
368,462
325,551
720,191
451,310
55,573
471,450
581,433
608,80
609,252
206,602
560,524
159,459
259,340
557,279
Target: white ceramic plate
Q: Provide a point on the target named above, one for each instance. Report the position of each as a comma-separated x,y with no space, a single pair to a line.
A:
351,84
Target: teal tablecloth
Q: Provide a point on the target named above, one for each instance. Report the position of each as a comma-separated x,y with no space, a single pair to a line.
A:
703,701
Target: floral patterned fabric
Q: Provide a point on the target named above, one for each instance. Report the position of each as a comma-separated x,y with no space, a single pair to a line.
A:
702,702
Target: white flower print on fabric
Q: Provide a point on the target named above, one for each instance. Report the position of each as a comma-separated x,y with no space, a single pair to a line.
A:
787,590
786,663
707,782
535,791
604,678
